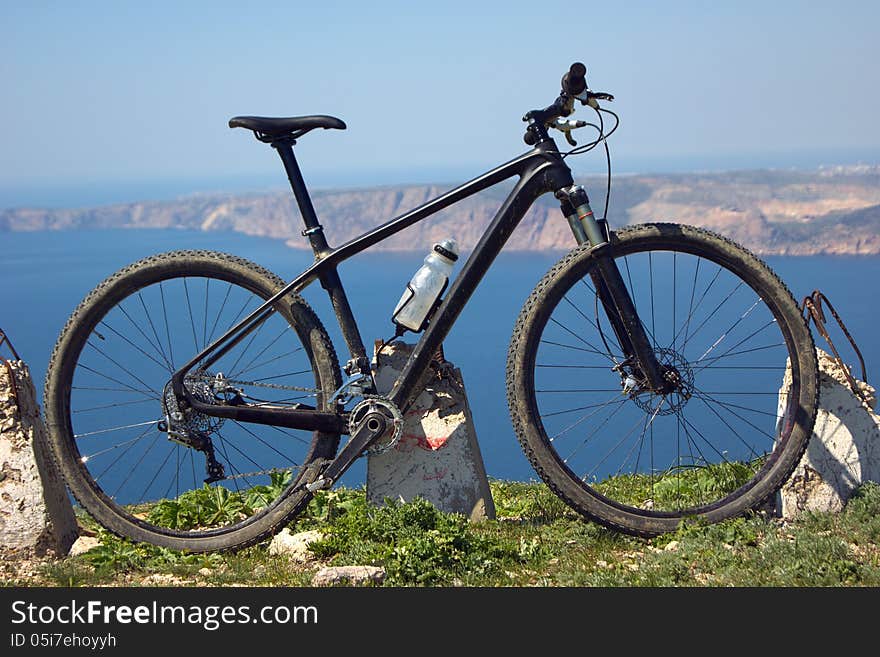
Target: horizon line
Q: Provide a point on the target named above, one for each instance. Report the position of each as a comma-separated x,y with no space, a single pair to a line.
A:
259,184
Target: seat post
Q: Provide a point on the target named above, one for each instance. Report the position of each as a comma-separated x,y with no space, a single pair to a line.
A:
330,276
314,231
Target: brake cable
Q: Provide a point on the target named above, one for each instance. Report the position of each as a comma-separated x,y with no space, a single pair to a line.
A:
603,139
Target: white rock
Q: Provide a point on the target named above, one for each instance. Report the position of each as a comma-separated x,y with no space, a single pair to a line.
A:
350,575
294,546
163,579
82,545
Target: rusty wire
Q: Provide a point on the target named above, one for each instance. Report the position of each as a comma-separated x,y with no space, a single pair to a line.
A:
812,309
4,339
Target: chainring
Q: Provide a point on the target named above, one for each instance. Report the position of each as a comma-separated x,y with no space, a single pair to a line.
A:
373,404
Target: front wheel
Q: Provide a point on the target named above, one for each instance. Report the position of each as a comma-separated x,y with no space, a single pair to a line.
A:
153,471
727,431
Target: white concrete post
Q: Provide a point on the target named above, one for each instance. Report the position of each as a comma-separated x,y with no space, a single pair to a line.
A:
36,516
843,452
437,457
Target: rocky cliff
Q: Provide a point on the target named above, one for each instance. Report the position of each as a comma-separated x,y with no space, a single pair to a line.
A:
830,211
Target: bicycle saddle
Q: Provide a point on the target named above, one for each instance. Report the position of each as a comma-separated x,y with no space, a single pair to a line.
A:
278,127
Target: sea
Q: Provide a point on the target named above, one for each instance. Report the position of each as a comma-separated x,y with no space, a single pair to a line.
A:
44,275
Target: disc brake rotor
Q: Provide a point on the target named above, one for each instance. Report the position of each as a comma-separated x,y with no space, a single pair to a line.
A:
680,376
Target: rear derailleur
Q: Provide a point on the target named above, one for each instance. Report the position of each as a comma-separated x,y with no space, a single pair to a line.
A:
199,441
189,428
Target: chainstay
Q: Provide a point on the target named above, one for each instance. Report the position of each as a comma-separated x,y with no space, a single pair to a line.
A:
396,416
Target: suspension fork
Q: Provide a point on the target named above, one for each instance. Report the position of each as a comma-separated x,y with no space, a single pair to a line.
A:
610,287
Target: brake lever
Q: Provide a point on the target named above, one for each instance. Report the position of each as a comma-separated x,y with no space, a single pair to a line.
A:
566,126
591,98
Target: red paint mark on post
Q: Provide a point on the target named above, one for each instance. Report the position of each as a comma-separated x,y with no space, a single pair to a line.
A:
436,442
437,474
409,441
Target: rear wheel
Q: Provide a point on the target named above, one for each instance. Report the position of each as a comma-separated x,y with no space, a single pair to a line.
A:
728,336
209,483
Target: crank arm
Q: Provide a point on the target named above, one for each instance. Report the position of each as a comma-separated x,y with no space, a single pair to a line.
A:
371,428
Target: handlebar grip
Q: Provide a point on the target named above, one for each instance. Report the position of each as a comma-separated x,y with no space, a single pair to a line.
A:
574,81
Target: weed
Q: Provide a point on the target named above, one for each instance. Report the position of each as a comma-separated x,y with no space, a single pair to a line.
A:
211,506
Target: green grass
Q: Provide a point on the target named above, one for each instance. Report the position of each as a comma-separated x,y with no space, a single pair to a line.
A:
679,488
536,540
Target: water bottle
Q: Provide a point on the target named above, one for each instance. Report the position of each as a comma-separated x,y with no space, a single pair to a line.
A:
425,287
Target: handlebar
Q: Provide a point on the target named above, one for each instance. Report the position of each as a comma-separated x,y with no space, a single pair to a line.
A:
574,82
574,87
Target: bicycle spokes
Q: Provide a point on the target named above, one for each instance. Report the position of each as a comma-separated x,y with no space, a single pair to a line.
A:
722,347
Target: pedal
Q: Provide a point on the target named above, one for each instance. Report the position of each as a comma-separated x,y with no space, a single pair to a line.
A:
315,468
319,484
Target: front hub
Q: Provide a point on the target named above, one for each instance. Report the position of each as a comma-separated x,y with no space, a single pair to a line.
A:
678,377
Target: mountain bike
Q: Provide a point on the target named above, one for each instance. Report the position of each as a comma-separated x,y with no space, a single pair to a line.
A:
657,374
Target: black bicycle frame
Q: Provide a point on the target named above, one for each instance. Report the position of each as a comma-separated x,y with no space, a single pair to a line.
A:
540,170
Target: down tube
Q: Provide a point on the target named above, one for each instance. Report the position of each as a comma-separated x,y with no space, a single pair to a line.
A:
531,185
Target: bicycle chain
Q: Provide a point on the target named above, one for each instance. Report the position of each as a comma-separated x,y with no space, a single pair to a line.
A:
257,473
276,386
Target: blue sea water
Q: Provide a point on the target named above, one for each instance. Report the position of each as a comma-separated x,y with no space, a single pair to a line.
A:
44,275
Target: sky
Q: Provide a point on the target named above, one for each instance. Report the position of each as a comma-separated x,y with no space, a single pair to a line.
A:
135,96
